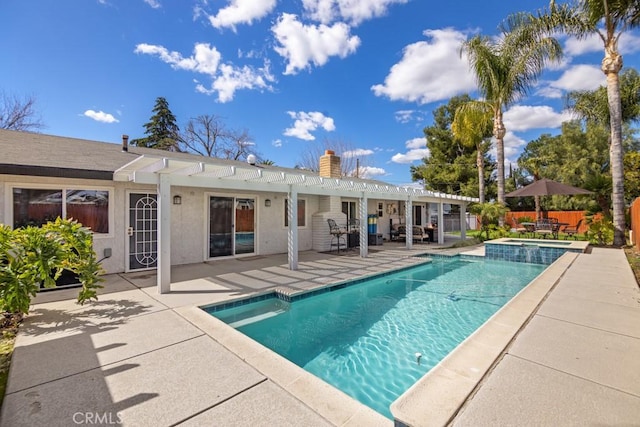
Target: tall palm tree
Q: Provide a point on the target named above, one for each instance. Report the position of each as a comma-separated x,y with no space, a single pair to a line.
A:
472,125
608,19
505,68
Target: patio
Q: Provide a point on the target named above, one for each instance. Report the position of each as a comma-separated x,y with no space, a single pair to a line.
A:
147,359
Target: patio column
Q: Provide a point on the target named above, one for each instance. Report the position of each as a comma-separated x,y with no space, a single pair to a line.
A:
440,223
292,234
163,268
463,221
408,220
364,221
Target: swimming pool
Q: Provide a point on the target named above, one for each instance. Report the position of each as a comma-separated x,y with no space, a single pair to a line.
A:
376,338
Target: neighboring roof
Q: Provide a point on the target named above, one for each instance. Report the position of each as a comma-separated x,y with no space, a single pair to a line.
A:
25,153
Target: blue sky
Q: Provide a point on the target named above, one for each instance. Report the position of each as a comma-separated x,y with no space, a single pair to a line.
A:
293,74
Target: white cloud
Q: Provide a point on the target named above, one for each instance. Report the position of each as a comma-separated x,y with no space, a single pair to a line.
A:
526,117
226,78
277,143
153,3
359,152
301,45
231,78
305,123
205,59
580,77
368,172
417,150
406,116
575,47
100,116
242,12
352,11
429,70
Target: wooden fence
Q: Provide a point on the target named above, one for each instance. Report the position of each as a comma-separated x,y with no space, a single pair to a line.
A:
568,217
635,223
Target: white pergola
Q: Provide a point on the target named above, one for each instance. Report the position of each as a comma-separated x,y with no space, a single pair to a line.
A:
167,172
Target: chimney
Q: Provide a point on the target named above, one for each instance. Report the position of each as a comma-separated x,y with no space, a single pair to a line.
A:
330,165
125,143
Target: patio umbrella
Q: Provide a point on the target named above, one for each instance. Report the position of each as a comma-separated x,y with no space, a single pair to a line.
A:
546,187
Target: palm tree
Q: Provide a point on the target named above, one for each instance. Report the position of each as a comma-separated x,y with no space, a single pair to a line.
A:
505,68
608,19
472,125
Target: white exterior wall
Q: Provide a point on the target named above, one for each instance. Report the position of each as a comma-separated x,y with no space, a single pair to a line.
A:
189,229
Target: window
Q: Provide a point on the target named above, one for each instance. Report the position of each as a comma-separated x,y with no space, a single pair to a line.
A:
301,213
38,206
380,209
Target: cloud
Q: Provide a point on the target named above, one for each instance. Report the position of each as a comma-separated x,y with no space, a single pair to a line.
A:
406,116
231,78
277,143
226,78
417,150
100,116
354,12
205,59
526,117
429,70
580,77
303,45
359,152
305,123
153,3
575,47
242,12
368,172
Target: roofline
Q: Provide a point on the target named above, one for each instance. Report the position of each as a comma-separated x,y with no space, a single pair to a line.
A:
12,169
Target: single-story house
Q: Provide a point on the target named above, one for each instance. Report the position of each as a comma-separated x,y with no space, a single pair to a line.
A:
151,209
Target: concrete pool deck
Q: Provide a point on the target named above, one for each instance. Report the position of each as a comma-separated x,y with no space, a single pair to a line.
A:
141,358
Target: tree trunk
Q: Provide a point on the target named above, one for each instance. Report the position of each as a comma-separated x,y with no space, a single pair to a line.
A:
499,132
611,65
480,164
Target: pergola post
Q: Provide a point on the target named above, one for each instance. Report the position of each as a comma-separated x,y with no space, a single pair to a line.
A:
292,233
408,216
463,221
164,234
440,223
364,221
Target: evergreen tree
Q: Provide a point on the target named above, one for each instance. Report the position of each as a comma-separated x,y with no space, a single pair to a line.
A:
451,165
161,130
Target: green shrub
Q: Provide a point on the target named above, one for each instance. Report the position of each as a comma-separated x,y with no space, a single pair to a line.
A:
35,256
600,231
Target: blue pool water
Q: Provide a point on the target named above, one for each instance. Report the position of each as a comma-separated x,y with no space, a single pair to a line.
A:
363,338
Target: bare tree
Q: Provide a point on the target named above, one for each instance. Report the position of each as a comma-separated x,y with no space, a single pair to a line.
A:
352,161
208,136
19,113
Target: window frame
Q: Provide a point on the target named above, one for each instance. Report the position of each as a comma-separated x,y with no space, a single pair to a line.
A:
304,217
9,187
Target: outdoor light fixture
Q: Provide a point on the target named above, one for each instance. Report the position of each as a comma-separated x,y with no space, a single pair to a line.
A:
267,202
177,200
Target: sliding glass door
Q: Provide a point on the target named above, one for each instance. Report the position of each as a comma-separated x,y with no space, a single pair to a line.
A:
231,226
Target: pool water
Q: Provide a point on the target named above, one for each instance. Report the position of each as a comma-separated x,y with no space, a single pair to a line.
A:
374,339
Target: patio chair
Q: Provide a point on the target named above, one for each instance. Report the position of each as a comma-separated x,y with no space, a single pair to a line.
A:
337,234
572,230
543,228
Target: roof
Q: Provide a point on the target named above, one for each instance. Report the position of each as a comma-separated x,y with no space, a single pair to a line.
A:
26,153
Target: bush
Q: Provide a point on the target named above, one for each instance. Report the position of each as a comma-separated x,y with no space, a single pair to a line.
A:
600,231
35,256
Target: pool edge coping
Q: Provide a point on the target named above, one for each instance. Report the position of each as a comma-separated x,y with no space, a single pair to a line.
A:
437,397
